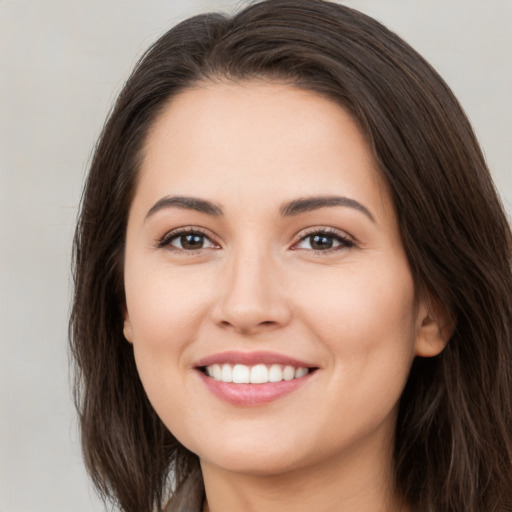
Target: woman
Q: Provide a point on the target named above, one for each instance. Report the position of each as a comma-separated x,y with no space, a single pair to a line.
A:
292,277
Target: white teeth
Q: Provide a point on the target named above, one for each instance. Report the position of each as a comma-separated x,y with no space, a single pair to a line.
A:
217,372
241,374
226,373
300,372
288,373
258,374
275,374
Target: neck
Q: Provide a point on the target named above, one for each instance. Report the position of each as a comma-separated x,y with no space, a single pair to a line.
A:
353,483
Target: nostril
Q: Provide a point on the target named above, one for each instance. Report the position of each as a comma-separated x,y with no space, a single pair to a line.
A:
247,328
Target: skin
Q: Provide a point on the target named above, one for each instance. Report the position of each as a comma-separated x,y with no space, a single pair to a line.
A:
256,284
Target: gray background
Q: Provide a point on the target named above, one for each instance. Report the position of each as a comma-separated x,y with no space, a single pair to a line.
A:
61,64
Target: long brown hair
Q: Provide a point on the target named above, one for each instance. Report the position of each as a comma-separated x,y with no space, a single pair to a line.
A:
453,447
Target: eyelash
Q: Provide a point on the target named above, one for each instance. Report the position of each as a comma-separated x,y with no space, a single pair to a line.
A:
344,241
165,241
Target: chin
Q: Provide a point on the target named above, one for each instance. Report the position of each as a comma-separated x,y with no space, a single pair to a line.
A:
263,455
261,464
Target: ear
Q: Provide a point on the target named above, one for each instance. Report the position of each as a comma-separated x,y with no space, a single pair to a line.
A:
434,329
127,328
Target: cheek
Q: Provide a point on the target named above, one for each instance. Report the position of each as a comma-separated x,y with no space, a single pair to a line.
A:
164,311
376,297
367,322
366,318
164,307
164,321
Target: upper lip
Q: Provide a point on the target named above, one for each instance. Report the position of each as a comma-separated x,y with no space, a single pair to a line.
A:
251,359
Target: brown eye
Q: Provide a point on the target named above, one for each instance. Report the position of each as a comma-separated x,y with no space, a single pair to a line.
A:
324,241
321,242
191,242
188,241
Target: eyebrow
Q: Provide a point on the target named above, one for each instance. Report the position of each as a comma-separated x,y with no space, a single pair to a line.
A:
308,204
289,209
185,203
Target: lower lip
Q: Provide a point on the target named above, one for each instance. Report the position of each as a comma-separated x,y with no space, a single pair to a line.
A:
252,394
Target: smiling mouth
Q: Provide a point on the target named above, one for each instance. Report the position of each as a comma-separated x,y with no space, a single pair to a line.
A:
253,378
255,374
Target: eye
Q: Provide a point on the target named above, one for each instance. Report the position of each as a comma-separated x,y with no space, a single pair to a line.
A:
323,241
187,240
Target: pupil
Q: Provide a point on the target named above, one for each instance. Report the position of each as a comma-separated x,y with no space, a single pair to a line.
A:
192,241
321,242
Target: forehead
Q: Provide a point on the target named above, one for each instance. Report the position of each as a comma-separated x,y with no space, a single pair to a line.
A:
228,139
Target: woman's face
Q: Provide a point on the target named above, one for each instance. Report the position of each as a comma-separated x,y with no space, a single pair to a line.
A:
262,246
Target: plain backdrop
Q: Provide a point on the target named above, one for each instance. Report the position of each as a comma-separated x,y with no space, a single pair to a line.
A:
62,62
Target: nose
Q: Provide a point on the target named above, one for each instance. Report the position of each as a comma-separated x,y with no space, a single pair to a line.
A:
250,298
